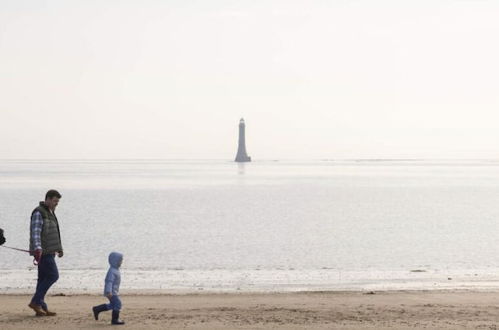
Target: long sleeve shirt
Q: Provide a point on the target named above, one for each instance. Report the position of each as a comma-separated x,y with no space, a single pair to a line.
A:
36,230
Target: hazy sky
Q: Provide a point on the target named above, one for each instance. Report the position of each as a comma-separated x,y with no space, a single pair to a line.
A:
313,79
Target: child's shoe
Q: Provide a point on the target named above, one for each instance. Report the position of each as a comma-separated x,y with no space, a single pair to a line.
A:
116,318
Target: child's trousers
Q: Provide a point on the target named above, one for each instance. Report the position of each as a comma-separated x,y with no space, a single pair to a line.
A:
114,303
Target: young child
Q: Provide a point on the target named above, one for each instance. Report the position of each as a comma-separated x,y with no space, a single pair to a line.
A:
111,289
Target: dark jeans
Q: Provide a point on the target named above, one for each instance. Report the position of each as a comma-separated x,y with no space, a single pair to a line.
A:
47,275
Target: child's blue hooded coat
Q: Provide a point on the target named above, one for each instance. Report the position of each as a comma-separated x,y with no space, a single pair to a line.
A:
113,277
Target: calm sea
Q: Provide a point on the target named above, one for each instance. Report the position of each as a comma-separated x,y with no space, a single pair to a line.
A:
217,225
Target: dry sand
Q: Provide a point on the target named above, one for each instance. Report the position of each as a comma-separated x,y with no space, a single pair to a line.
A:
319,310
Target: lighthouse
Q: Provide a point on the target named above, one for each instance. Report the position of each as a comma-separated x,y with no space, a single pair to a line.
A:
242,156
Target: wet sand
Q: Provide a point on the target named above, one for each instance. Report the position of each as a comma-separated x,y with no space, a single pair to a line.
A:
307,310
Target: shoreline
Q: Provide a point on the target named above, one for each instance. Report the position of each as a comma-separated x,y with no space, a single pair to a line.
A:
152,293
442,309
90,281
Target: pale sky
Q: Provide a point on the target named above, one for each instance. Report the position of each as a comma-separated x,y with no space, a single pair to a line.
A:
313,79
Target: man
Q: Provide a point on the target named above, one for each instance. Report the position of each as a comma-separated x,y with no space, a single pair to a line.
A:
44,244
2,238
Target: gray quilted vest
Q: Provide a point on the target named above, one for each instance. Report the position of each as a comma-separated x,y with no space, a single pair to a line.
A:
50,236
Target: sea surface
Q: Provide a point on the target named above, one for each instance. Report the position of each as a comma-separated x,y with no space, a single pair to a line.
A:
215,225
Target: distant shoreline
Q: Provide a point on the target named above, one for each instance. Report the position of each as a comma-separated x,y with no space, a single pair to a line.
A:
22,281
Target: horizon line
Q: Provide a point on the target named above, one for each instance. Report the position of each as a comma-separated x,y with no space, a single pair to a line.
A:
256,160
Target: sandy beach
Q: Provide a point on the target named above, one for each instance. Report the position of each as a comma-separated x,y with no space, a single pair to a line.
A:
307,310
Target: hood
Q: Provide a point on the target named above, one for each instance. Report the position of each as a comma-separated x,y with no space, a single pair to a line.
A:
115,258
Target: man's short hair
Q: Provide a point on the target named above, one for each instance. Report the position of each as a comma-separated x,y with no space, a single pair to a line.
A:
51,194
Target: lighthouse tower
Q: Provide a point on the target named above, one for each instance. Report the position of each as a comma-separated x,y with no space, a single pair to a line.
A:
242,156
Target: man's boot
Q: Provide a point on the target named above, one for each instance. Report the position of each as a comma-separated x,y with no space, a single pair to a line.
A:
49,313
98,309
38,309
116,318
46,310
